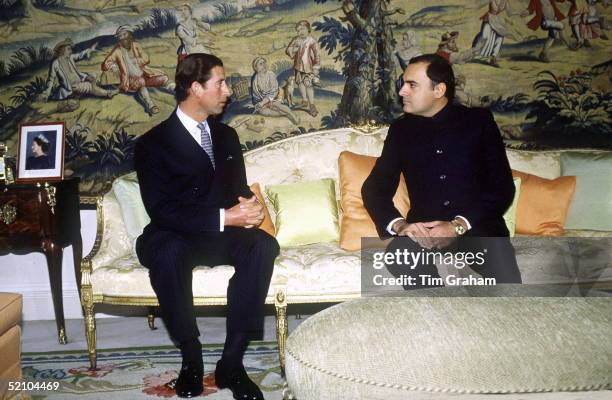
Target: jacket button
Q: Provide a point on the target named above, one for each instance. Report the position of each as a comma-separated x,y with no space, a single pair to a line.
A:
438,151
446,203
442,176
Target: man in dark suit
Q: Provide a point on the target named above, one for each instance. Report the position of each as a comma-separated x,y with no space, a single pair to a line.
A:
193,185
458,176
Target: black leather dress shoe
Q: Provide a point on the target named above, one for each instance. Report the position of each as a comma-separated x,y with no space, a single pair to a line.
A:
237,380
189,382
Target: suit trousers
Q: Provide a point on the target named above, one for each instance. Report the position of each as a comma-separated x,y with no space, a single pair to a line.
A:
171,257
497,254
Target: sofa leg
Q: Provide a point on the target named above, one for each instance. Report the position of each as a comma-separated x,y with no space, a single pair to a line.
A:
90,324
282,328
151,318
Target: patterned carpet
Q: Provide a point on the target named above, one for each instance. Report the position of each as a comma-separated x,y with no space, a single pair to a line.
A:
141,373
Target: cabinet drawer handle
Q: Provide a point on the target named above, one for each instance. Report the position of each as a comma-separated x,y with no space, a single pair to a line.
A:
8,214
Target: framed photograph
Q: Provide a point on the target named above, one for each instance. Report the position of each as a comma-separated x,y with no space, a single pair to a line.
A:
41,152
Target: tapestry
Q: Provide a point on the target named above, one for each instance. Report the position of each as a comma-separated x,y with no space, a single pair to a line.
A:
106,68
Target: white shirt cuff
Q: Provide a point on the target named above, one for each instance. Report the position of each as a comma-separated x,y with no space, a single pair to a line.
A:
390,226
466,222
221,219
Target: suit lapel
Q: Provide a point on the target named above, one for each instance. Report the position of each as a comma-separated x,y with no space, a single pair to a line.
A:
187,148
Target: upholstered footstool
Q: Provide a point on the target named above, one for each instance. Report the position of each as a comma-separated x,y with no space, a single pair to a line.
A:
463,348
10,341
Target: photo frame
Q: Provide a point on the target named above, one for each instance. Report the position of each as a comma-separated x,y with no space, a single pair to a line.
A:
41,152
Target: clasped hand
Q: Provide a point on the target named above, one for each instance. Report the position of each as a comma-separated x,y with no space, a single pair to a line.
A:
434,234
248,213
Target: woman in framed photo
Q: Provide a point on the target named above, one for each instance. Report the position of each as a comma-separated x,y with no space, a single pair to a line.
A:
40,154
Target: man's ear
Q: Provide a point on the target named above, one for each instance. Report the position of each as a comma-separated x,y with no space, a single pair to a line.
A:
439,90
195,87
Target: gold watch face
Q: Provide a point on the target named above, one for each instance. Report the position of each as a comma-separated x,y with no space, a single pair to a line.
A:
459,229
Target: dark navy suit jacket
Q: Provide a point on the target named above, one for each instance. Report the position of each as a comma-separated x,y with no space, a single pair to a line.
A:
454,164
181,190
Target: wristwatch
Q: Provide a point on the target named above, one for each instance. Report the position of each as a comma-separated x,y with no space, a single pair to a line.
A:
459,229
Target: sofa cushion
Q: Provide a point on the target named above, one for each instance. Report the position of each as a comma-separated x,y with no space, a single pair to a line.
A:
545,260
592,204
319,269
125,277
543,204
310,270
306,212
356,222
429,345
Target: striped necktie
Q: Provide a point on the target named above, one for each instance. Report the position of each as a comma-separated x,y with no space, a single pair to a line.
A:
206,142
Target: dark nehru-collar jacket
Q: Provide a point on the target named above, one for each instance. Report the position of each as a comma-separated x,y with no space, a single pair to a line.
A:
454,163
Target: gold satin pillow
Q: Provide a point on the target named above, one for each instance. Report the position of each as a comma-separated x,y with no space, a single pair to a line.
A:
543,204
356,222
266,225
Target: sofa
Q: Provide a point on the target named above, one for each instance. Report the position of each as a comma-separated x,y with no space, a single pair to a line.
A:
10,341
310,273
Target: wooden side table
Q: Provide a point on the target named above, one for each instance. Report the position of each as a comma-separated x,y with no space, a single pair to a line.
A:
44,217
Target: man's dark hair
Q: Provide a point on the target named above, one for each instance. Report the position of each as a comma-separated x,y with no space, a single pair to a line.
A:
195,67
439,70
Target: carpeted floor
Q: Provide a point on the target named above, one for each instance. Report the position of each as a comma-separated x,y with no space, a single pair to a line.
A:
141,373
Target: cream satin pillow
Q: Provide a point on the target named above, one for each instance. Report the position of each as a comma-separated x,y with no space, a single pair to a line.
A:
134,214
306,212
356,222
510,214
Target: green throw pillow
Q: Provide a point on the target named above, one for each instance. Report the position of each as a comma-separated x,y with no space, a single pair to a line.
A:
510,214
306,212
135,216
592,204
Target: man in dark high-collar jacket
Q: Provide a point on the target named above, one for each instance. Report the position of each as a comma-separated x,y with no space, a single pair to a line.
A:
458,176
193,185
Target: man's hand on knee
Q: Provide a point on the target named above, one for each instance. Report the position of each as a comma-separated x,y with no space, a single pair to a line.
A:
248,213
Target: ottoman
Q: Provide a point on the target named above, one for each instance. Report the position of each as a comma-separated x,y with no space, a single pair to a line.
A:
459,343
10,340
